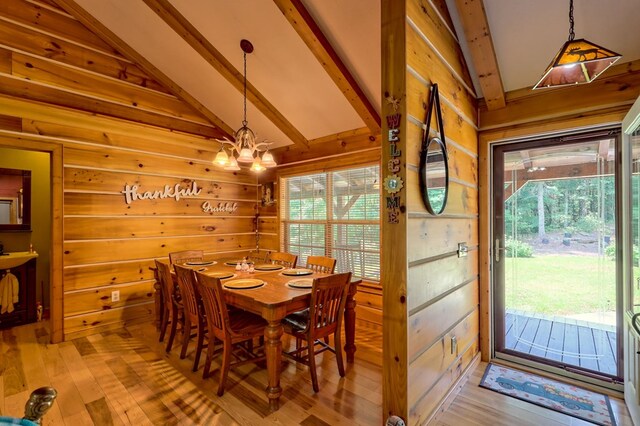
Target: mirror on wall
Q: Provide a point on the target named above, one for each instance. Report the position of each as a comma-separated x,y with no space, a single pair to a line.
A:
434,176
15,200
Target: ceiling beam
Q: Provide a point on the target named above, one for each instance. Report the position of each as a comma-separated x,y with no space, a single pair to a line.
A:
312,35
172,17
352,141
74,9
478,36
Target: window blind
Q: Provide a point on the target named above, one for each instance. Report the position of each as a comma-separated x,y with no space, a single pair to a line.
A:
335,214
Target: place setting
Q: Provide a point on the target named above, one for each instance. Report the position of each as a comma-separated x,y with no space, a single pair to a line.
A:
243,284
200,263
268,267
301,283
296,272
220,275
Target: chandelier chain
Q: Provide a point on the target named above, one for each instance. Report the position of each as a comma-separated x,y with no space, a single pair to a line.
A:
244,120
572,35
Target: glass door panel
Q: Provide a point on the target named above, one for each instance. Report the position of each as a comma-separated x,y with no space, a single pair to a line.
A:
554,263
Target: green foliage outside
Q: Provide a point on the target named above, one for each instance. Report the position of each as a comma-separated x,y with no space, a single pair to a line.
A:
515,248
610,253
570,205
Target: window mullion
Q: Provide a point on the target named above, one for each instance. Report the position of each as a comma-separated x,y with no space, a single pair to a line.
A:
328,229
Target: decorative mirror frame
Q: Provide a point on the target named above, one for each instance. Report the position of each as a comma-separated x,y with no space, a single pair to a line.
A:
434,103
24,201
424,188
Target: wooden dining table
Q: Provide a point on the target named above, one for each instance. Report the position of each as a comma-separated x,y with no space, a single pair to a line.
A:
273,301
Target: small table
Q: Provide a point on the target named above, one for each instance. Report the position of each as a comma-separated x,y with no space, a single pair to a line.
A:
273,302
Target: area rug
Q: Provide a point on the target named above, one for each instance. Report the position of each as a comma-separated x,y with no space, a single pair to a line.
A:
571,400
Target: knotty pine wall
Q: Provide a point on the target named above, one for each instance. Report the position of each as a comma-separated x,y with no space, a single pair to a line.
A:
430,294
62,85
604,102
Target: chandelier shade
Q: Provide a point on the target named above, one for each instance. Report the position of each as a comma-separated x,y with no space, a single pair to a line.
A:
245,149
578,61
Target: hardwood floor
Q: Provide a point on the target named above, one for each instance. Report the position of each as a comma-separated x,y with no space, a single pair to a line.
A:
479,406
125,377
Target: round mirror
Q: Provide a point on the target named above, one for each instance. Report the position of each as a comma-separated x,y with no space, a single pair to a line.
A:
434,176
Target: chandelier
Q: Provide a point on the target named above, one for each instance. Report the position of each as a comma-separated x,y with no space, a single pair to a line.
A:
578,61
245,145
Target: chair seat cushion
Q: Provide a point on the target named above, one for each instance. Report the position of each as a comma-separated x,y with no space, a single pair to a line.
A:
243,322
296,321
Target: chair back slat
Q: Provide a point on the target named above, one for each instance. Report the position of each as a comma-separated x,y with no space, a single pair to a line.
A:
215,307
186,256
186,284
166,282
259,256
322,264
287,260
328,300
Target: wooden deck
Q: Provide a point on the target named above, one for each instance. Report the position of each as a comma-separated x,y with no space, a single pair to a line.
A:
578,343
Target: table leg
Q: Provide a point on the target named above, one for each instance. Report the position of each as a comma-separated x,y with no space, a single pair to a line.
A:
273,347
350,326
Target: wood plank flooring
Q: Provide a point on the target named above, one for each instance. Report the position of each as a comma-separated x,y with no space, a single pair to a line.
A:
125,377
479,406
573,342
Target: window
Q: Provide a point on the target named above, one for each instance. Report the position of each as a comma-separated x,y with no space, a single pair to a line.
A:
335,214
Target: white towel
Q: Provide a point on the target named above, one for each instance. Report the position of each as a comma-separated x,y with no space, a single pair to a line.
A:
8,293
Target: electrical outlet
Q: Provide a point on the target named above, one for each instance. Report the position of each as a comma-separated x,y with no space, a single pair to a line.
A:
115,296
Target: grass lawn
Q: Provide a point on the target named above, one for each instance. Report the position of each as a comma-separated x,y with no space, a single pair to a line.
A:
560,285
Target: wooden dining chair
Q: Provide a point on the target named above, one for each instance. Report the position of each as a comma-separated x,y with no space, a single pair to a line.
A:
323,318
259,256
186,256
230,327
287,260
194,316
322,264
173,311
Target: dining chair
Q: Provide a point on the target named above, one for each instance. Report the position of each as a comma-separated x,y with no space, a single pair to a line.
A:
173,311
194,316
323,318
322,264
186,256
230,327
258,256
287,260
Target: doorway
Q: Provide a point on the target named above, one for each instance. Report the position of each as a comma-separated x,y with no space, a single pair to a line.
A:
36,143
555,274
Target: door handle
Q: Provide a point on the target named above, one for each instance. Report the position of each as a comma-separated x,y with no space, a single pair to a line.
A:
634,323
496,249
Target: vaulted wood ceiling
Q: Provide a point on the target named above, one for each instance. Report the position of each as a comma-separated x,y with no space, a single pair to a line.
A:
314,77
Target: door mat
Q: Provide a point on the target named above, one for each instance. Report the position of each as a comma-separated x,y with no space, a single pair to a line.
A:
571,400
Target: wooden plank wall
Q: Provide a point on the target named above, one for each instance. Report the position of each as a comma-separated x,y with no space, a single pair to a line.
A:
61,84
441,288
543,112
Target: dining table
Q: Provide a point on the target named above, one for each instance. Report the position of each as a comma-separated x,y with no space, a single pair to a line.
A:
271,291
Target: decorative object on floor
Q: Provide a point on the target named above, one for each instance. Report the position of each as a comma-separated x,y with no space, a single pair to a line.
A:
565,398
245,145
578,61
39,403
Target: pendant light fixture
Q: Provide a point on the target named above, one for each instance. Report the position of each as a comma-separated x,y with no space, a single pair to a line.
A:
578,61
248,151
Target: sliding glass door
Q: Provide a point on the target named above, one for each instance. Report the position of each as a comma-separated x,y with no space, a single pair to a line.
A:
556,293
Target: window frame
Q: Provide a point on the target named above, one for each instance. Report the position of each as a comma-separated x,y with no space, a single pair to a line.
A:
329,222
